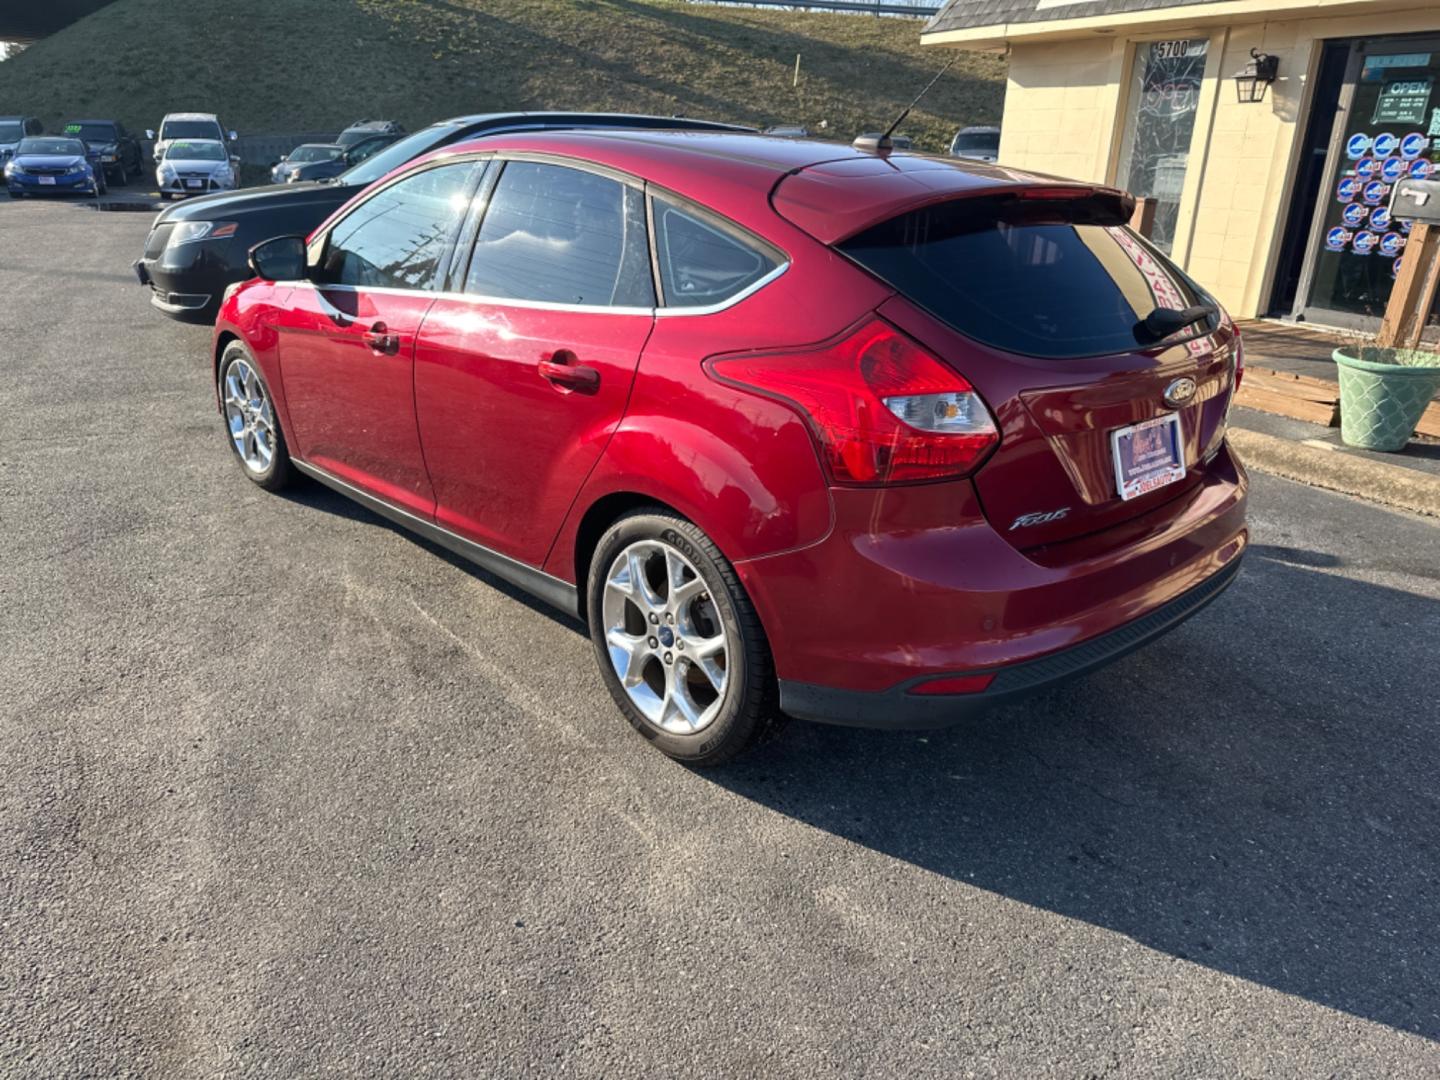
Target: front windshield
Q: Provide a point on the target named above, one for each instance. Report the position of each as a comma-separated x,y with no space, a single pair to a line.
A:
396,154
302,154
10,131
978,143
190,129
50,146
196,151
102,133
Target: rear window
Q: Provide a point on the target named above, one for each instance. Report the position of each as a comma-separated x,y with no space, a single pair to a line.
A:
1058,278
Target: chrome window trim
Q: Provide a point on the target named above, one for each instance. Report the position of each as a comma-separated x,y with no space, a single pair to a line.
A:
492,301
543,305
729,302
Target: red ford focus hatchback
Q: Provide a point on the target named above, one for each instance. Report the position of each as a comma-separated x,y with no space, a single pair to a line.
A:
798,430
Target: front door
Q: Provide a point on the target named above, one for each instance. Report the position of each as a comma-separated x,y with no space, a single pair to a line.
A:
520,382
1387,127
347,338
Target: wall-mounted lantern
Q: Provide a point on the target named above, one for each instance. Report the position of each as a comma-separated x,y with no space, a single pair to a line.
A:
1259,73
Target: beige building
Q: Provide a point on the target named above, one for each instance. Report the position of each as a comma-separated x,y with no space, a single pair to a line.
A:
1276,205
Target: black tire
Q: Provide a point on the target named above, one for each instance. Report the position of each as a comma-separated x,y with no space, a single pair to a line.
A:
749,713
280,473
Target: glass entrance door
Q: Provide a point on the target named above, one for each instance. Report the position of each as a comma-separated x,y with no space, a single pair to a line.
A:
1387,128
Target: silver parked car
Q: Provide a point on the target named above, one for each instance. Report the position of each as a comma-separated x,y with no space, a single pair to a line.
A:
980,143
195,166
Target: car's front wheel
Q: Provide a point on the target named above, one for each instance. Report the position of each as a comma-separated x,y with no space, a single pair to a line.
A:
250,421
679,644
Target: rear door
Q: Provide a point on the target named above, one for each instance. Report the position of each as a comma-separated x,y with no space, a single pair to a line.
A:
523,373
1039,298
347,338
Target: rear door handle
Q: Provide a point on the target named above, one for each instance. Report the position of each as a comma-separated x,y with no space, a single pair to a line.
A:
562,370
379,338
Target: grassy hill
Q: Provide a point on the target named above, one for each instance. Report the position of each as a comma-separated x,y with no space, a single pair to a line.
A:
276,66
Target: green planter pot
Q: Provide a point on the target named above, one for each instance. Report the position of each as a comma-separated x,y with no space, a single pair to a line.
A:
1383,393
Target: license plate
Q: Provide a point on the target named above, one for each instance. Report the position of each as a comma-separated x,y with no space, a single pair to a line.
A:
47,179
194,183
1147,456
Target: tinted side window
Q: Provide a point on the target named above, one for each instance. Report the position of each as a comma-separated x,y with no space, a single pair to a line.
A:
562,236
398,238
702,262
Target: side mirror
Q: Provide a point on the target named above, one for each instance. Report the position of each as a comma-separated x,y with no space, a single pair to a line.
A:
280,259
234,161
150,133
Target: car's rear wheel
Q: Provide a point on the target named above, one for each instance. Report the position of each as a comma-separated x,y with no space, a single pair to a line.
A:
250,420
678,642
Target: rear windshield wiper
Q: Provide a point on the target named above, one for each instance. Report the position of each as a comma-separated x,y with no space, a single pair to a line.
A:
1162,322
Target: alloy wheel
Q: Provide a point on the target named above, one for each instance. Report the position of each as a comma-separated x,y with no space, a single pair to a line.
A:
249,416
665,638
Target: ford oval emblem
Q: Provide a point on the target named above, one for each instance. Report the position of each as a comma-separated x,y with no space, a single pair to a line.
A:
1179,392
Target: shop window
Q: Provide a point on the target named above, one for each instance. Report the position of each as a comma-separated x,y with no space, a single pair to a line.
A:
1164,97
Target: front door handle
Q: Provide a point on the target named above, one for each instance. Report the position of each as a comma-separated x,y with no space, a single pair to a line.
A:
379,338
562,370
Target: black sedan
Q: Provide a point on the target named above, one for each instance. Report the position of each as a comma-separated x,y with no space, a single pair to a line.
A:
197,248
322,161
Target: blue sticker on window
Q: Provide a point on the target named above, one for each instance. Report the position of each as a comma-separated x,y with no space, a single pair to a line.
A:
1393,169
1413,145
1395,266
1347,188
1337,238
1421,168
1385,144
1354,214
1405,225
1364,242
1357,146
1391,243
1380,218
1367,168
1374,192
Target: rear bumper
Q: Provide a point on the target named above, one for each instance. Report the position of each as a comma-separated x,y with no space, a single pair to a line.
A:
900,708
890,598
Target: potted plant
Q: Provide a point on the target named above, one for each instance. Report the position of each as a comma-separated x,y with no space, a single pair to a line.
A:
1383,392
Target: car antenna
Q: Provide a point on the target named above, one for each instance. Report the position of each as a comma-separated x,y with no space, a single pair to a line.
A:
882,144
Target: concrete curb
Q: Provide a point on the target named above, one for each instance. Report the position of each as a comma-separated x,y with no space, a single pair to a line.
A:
1335,470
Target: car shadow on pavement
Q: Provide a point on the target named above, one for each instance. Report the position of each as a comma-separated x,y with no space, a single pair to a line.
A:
317,496
1255,792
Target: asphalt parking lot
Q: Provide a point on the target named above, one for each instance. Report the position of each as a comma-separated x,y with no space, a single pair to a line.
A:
287,792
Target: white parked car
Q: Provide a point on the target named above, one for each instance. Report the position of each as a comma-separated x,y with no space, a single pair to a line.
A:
195,166
188,125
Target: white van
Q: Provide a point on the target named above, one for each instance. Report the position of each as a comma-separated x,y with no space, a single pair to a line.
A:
188,125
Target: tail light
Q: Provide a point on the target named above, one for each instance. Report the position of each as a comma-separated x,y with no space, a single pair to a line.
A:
882,409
